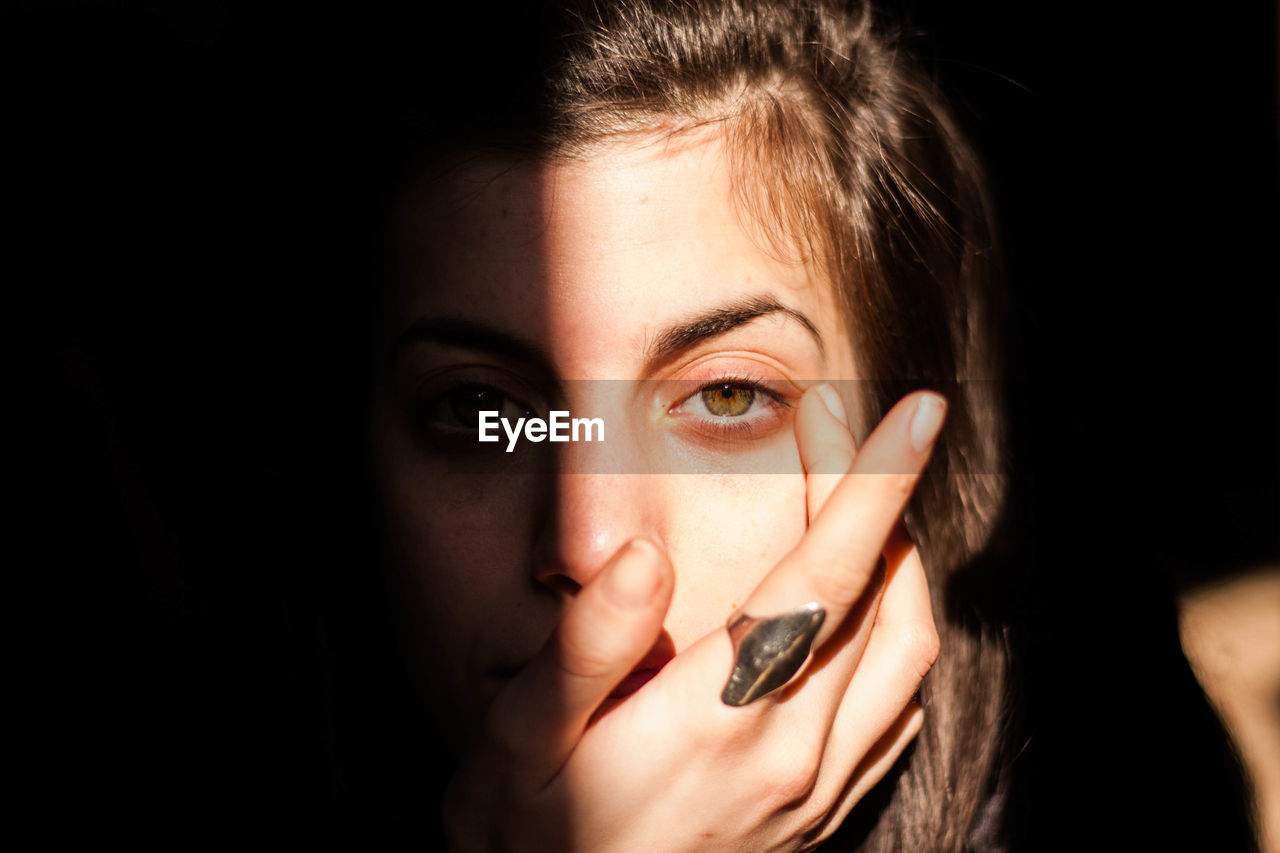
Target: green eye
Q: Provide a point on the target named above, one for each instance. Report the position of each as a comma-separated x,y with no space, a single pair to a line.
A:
728,401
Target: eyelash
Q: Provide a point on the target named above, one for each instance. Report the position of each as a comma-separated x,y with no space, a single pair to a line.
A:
736,427
433,412
434,416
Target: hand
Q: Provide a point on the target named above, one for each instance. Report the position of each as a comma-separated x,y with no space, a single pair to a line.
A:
673,768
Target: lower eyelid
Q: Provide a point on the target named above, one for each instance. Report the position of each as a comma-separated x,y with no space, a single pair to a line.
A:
771,415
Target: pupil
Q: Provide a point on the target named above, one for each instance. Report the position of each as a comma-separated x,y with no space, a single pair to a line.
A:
468,403
728,401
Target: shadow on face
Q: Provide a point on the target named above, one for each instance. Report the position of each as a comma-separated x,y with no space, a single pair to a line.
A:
624,288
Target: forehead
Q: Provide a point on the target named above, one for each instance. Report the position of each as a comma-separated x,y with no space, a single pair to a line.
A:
638,232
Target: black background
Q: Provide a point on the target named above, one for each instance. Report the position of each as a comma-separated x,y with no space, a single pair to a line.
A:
190,187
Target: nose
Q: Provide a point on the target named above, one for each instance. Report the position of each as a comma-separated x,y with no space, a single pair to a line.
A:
589,517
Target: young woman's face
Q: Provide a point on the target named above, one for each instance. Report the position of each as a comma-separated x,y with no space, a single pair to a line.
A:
627,286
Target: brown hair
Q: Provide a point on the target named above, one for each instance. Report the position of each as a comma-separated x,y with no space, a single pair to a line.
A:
843,150
842,142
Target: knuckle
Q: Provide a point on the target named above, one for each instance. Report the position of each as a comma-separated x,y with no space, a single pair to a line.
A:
792,776
896,488
832,458
506,729
580,658
735,734
922,646
833,579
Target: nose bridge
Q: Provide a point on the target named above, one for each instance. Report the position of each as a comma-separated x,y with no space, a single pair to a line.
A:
594,514
598,501
591,515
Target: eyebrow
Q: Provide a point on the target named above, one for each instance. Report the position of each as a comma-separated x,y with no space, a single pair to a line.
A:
468,334
668,343
677,338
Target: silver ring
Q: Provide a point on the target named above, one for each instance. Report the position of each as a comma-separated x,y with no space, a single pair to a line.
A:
768,651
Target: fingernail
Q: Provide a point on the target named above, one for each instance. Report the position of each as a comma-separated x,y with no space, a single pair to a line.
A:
632,582
927,420
833,403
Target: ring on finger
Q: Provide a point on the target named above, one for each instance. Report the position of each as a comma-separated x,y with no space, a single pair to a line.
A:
768,651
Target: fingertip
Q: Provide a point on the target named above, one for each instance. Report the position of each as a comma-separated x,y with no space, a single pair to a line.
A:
653,555
834,405
822,433
904,439
926,420
639,575
640,548
634,577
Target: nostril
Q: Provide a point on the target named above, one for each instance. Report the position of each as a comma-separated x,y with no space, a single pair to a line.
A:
561,584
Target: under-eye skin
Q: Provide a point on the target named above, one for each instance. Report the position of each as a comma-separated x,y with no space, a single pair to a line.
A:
733,409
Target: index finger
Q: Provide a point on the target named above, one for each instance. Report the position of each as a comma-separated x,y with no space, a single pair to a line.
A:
837,557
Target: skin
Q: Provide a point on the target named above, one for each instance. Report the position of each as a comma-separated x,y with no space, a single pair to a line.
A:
542,595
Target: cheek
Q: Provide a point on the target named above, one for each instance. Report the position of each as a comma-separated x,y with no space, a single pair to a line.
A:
457,539
449,550
457,547
726,534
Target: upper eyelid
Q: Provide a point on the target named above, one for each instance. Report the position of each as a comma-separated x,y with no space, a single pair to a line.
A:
741,366
483,376
413,378
537,397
